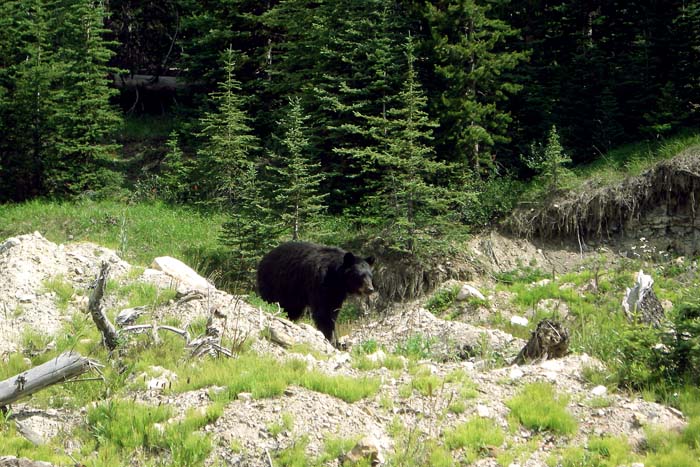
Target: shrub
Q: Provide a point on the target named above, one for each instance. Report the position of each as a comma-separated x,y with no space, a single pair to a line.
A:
442,300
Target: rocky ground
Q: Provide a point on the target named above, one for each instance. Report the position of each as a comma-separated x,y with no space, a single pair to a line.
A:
29,262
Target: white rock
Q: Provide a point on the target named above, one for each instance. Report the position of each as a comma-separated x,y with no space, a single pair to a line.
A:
467,291
181,272
483,411
378,356
552,365
9,243
516,373
157,383
599,390
340,359
24,297
634,295
518,321
367,448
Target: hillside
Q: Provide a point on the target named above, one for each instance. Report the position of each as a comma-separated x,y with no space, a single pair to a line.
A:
423,388
660,204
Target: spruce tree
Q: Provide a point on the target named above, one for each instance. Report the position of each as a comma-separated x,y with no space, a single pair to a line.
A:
472,67
549,161
408,199
251,229
226,168
27,96
83,149
296,178
228,147
175,171
342,58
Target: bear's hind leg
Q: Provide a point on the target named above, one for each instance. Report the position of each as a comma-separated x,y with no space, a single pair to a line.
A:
293,313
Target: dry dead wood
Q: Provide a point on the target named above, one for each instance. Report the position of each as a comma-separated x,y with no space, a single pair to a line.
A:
65,367
208,344
109,334
550,339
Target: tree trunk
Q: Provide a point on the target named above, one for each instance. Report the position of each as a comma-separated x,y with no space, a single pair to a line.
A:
62,368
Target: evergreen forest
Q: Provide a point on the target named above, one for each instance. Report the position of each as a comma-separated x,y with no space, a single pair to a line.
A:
406,117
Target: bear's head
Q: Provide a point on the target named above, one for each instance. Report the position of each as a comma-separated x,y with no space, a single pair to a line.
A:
357,274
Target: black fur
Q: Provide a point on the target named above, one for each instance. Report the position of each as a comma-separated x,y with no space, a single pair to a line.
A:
299,274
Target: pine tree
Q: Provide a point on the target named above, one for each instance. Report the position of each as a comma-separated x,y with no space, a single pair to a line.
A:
341,57
297,178
82,150
175,171
228,145
27,96
471,66
409,201
226,168
549,161
250,230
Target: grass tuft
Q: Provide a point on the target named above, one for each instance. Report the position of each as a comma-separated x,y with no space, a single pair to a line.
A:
538,407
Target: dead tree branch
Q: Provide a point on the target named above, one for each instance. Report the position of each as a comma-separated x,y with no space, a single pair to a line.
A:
109,334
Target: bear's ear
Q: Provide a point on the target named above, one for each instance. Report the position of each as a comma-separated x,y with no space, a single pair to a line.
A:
348,259
370,260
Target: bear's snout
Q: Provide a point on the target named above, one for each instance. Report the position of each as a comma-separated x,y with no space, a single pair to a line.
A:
367,288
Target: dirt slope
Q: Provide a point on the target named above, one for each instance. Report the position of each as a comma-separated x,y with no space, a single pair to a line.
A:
29,261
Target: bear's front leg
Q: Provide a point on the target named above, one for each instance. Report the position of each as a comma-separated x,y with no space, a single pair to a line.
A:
326,324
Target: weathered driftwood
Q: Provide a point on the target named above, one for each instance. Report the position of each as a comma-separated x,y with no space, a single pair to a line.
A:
111,337
66,366
641,303
109,334
12,461
550,339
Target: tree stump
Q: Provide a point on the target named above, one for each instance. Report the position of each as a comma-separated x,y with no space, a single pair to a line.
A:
550,339
641,303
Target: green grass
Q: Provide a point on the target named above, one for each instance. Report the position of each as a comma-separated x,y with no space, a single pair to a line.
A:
61,288
265,376
441,300
13,443
426,383
633,159
286,423
539,408
141,294
122,427
416,347
139,232
474,437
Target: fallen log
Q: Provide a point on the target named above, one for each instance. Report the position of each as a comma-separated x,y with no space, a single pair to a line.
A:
66,366
12,461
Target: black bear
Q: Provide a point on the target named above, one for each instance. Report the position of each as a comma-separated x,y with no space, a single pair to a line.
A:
301,274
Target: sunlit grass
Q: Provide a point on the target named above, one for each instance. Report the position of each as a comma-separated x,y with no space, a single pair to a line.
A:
538,407
140,232
474,436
